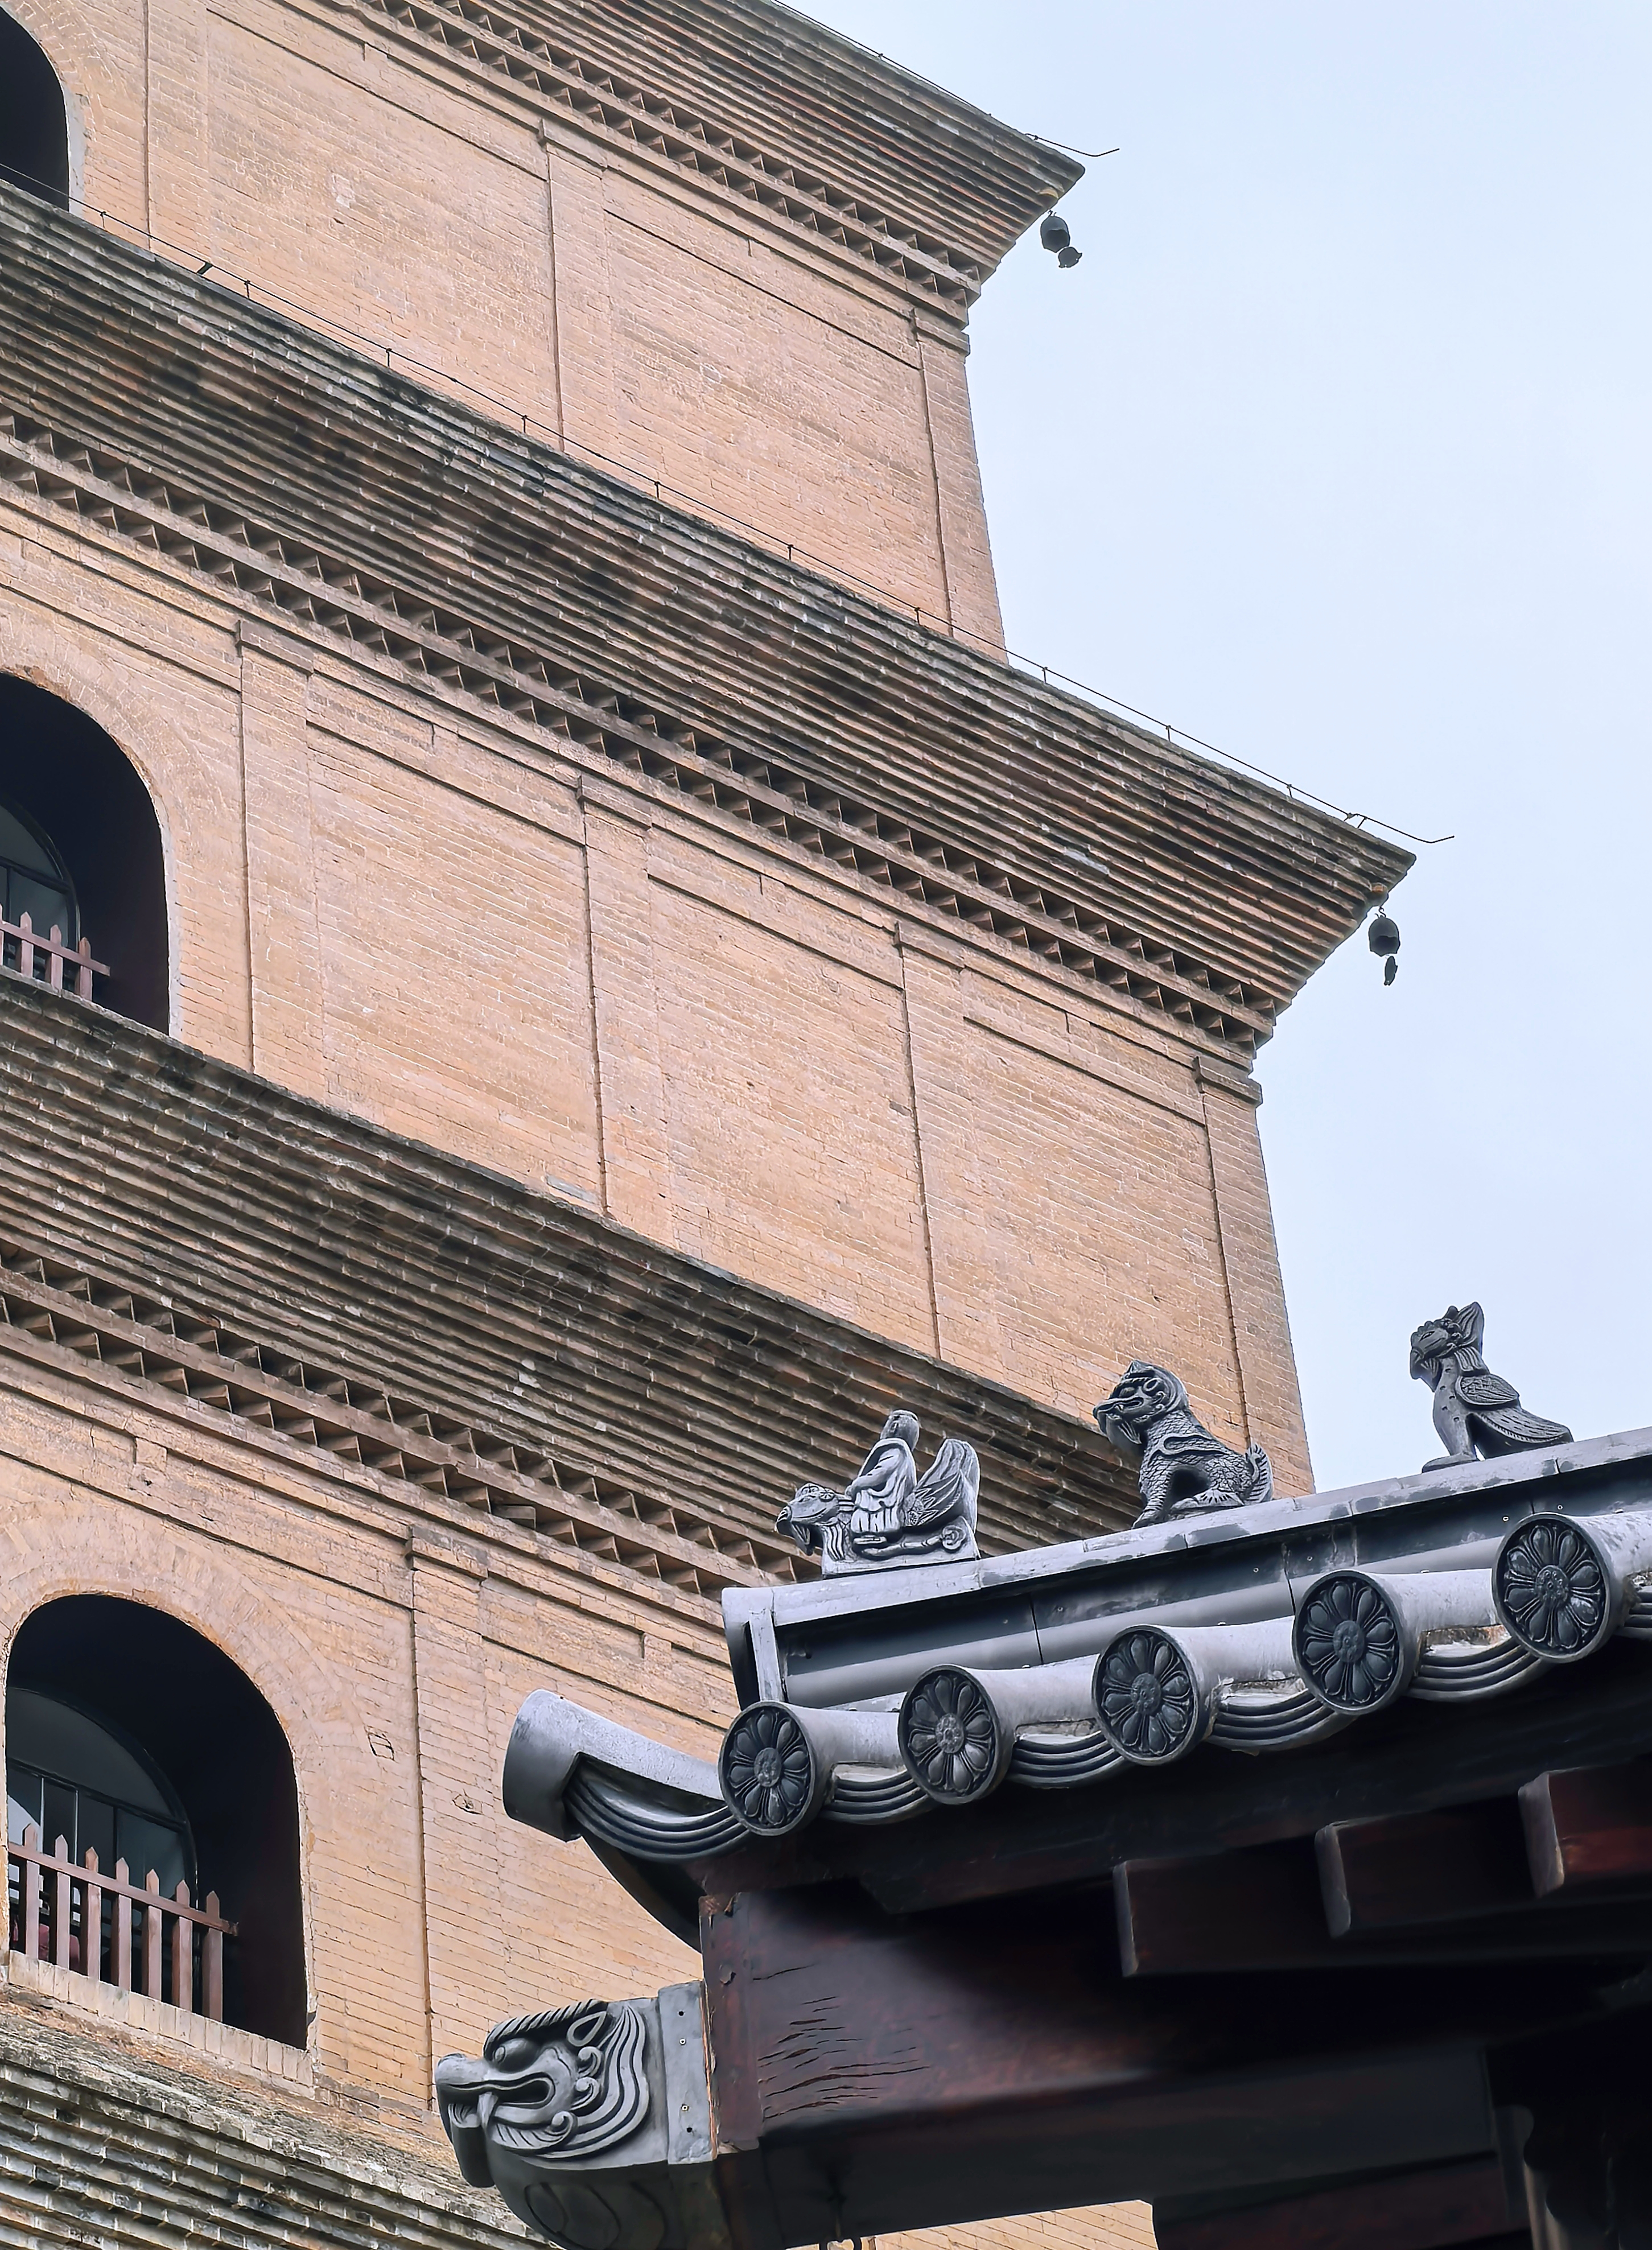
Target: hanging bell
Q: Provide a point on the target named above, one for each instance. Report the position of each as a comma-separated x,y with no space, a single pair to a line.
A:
1383,937
1055,235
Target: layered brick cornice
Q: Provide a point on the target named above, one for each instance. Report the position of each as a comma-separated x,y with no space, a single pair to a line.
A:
826,135
526,57
169,1221
130,1341
307,482
438,646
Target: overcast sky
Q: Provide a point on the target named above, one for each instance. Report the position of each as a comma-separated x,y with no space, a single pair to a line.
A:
1337,450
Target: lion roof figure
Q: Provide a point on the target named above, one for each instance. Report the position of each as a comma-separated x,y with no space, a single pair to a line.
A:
1184,1469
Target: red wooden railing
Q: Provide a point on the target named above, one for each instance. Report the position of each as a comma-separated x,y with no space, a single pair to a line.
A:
56,1915
47,958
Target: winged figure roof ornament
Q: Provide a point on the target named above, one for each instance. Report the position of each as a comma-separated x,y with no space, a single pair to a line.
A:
888,1513
1476,1411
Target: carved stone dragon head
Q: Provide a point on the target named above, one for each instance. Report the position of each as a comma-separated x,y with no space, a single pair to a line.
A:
566,2084
811,1515
1143,1396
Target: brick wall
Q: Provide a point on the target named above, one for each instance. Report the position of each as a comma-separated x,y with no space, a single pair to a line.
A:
440,916
395,1655
704,1034
369,177
395,1658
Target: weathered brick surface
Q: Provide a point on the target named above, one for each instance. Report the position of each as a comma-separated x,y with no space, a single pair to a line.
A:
1106,2227
641,1009
395,903
122,2141
395,1667
679,1029
394,1664
520,1317
1250,1262
597,630
628,294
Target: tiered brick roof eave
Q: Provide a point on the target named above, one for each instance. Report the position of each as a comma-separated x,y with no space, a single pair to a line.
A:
177,1220
902,151
353,502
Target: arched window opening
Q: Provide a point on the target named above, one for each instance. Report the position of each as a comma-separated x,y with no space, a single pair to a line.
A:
34,125
131,1738
80,851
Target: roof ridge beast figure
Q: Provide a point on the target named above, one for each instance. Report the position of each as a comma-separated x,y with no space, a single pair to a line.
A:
1475,1410
1184,1468
889,1513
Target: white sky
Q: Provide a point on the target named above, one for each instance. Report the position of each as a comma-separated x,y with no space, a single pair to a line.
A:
1337,450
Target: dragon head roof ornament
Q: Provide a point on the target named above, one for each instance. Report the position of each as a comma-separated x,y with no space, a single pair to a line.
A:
568,2080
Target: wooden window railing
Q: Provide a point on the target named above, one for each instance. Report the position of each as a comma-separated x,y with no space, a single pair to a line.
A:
56,1913
47,959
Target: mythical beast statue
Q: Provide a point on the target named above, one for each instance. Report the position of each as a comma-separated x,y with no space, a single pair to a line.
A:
1185,1470
888,1513
592,2123
1475,1410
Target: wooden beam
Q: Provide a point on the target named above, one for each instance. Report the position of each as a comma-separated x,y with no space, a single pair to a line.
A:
872,2073
1588,1827
1220,1912
1422,1868
1224,1910
1428,2210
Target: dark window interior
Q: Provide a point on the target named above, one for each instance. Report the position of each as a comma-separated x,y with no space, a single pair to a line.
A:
123,1720
79,1781
33,880
34,131
67,789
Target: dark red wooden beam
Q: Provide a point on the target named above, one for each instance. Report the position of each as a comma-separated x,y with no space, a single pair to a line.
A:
1587,1826
1224,1913
1428,2210
874,2073
1221,1912
1423,1867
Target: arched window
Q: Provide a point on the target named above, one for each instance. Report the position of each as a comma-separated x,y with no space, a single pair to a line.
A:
34,129
130,1736
81,849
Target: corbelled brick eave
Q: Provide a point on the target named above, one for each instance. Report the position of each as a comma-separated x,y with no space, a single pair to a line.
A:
880,134
1023,805
157,1170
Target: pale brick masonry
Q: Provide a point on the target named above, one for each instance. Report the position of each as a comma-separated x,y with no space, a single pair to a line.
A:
786,967
636,1007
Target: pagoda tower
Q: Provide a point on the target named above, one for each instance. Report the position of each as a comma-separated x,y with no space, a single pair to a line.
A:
553,974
